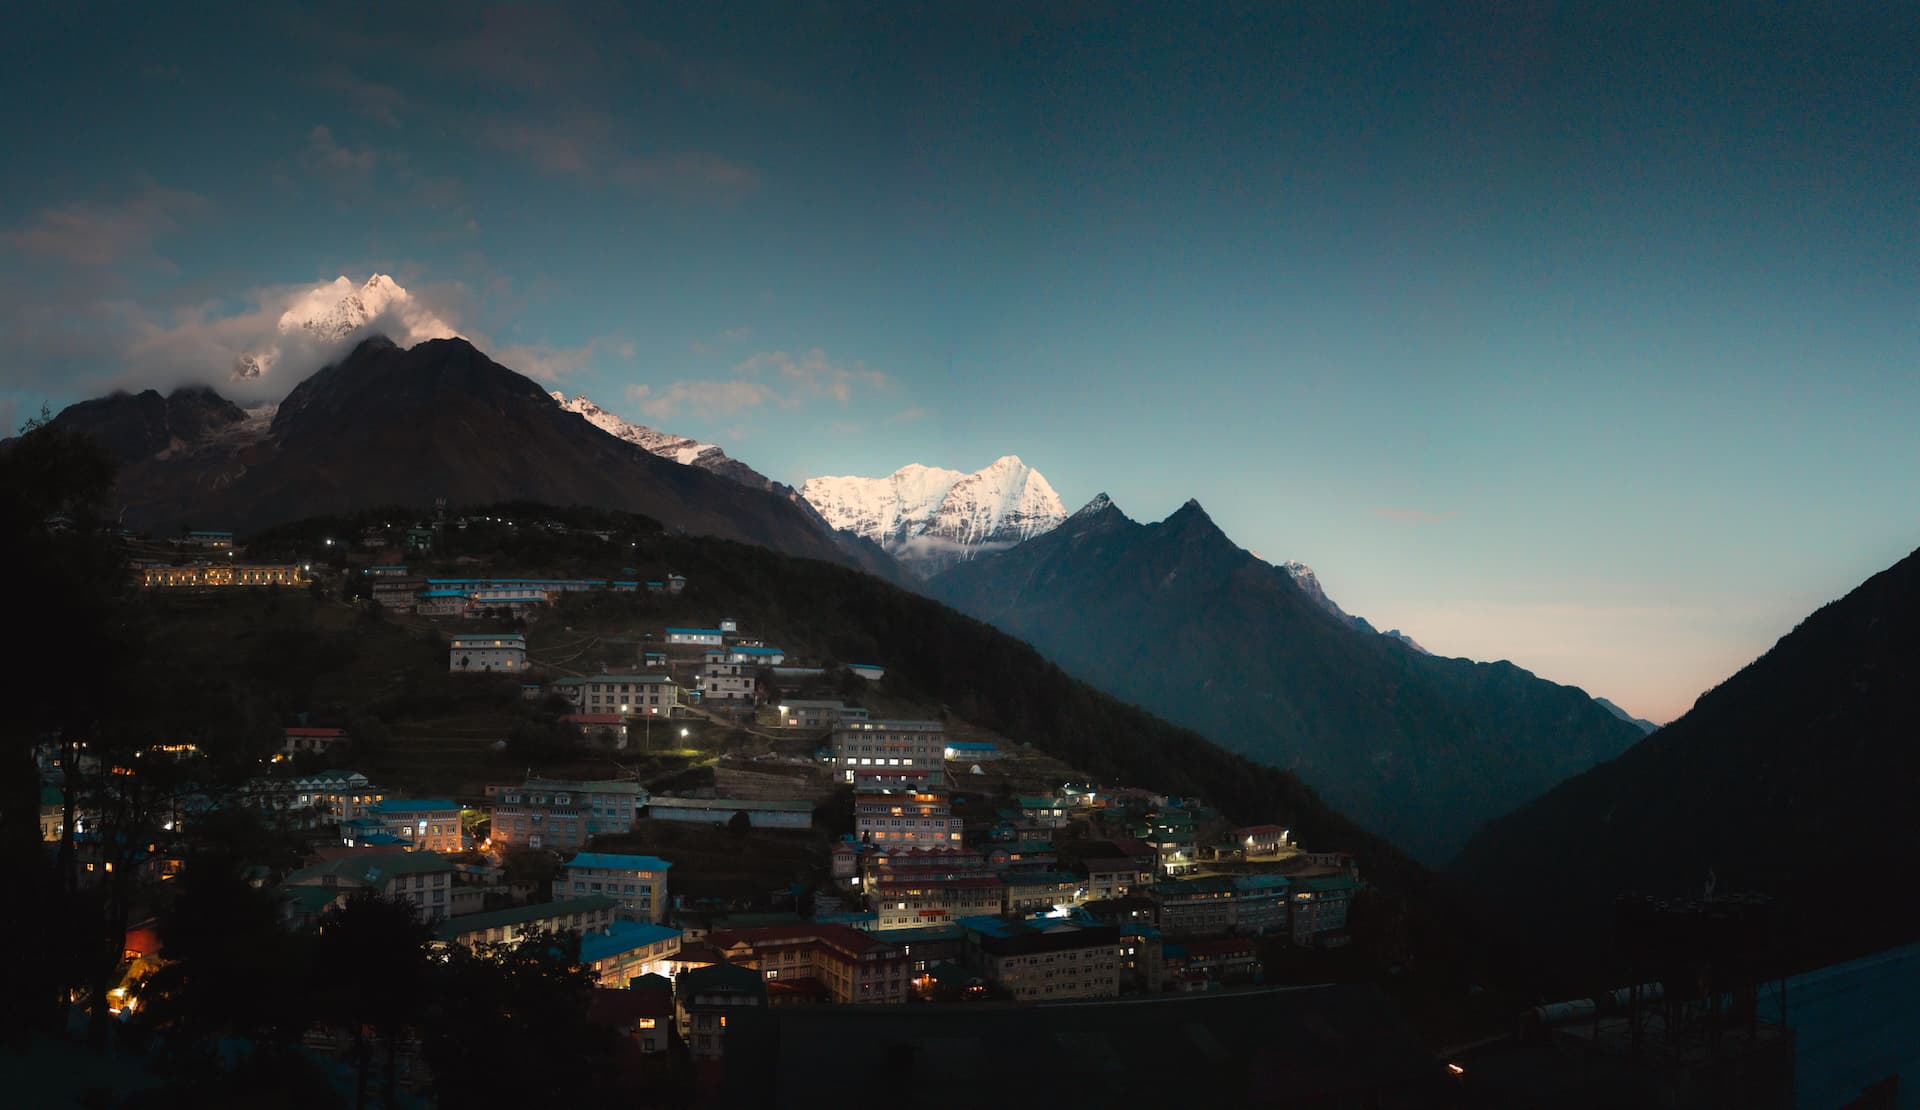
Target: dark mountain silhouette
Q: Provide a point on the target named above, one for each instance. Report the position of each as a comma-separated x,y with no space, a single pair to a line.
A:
1176,617
136,426
392,426
1795,777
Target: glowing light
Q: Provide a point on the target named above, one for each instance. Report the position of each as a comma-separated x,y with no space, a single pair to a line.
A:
1456,1069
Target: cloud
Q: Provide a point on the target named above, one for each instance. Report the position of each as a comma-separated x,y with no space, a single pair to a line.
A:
324,155
285,333
93,235
1413,516
908,416
550,364
378,102
704,398
813,373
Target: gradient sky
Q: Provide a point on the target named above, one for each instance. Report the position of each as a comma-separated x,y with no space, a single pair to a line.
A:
1580,335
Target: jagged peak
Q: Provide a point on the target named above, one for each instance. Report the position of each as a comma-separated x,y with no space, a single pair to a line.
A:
1191,513
1100,504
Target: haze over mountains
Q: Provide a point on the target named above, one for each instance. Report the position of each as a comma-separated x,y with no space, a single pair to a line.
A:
1176,617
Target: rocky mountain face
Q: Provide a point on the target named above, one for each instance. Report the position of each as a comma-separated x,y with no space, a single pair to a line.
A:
1795,778
1177,618
393,426
1309,584
667,445
931,519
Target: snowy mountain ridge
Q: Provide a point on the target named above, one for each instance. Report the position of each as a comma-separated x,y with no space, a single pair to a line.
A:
930,518
678,448
327,314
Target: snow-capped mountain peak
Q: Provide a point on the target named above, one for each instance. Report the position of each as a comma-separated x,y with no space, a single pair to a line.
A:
931,518
680,449
326,314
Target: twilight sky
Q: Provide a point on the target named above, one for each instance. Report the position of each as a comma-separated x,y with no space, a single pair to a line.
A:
1582,335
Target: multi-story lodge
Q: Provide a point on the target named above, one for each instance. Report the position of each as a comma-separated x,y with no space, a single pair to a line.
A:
582,915
890,753
562,815
703,637
1045,961
1215,905
642,695
1319,908
908,903
637,883
843,964
493,651
725,679
627,950
209,576
818,714
423,824
718,811
704,997
421,878
920,819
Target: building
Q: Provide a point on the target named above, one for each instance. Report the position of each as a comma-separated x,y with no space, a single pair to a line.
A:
705,997
922,819
303,741
1044,960
423,824
212,576
1023,855
603,727
1319,909
719,811
642,1014
329,797
1170,833
725,679
704,637
872,672
826,962
818,714
1030,892
497,651
1115,877
1042,811
53,812
563,814
1142,959
581,915
637,883
388,570
642,695
628,950
890,753
215,541
1261,840
756,656
972,751
910,903
423,879
1215,905
1230,961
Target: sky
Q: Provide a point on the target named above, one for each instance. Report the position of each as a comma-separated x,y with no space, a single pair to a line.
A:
1581,335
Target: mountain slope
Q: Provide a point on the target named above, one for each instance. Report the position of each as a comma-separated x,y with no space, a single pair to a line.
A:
678,448
1796,777
1176,617
387,426
1642,723
930,518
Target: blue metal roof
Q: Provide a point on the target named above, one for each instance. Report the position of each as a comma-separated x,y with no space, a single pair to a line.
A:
973,745
758,651
622,937
618,862
696,631
411,805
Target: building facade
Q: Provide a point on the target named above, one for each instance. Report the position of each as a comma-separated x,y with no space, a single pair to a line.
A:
641,695
496,651
851,966
637,883
888,753
581,915
897,820
1045,961
423,824
423,880
718,811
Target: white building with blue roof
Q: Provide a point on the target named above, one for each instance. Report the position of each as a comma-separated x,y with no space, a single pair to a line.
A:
626,950
637,883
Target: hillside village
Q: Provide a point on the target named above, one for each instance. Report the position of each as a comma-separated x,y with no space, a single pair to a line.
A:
733,824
